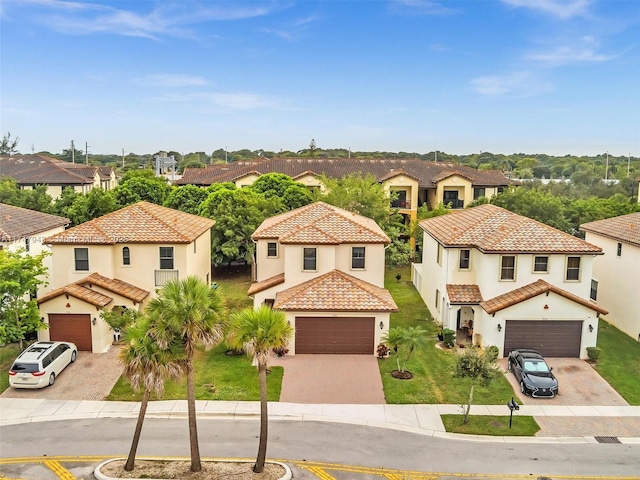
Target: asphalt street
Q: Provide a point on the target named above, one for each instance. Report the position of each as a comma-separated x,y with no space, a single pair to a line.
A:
367,448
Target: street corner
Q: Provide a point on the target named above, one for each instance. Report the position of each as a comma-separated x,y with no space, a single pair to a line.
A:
48,468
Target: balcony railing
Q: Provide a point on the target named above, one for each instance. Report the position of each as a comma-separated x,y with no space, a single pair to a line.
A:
454,203
400,204
163,276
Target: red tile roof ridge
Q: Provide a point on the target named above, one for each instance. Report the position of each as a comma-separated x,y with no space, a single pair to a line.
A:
625,228
151,209
80,292
257,287
115,285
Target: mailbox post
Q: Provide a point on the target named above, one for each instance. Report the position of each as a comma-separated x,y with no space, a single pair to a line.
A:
513,405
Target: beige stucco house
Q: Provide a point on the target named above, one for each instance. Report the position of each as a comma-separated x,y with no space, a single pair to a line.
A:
615,275
21,228
119,260
502,279
324,267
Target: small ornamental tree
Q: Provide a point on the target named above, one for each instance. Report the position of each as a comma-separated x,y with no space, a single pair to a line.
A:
480,367
404,341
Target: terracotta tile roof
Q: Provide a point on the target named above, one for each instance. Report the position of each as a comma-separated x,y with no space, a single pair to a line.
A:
533,290
320,223
338,292
464,294
492,229
16,222
40,169
625,228
142,222
114,285
382,169
80,292
257,287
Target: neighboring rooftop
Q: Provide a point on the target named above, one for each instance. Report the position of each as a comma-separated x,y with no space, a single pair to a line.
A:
142,222
492,229
321,224
427,173
625,228
43,170
17,223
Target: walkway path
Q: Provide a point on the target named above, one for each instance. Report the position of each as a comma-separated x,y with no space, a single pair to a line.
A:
581,424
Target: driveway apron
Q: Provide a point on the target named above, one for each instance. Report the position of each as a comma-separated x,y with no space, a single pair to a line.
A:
337,379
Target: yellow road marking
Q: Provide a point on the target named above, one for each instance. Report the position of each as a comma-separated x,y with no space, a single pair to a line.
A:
59,470
319,472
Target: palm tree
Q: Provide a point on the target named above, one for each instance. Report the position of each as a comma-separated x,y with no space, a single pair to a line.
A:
407,339
192,312
147,366
259,332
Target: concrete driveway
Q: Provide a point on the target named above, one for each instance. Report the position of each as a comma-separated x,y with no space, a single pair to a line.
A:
339,379
90,377
579,385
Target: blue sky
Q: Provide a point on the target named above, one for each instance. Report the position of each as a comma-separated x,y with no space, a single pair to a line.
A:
506,76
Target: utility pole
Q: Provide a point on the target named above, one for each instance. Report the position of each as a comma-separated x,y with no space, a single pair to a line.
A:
606,168
225,155
436,156
73,152
628,164
123,158
86,153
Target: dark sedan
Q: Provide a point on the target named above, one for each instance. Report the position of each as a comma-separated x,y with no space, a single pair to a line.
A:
533,373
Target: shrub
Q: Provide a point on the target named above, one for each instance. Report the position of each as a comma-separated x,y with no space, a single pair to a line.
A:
492,353
594,353
383,350
449,337
280,351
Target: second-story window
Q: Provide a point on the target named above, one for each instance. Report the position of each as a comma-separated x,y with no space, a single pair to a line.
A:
81,257
272,249
508,267
310,259
465,256
27,244
126,256
166,258
593,294
541,264
619,251
439,255
573,269
357,257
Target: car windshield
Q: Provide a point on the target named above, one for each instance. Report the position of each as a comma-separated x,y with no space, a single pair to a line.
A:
24,367
536,366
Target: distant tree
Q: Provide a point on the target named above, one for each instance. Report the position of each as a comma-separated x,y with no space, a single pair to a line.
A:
292,193
65,202
20,276
10,193
37,199
141,187
312,148
258,332
477,366
9,146
186,198
96,203
535,204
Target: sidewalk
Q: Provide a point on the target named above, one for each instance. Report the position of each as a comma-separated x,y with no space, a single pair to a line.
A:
583,423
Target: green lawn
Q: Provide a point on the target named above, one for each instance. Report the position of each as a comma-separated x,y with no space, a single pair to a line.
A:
619,362
433,380
491,425
8,354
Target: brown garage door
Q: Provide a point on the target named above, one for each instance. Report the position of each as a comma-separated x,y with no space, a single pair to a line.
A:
552,338
335,335
76,328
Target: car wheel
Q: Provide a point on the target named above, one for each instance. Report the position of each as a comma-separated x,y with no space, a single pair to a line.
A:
52,379
522,387
73,356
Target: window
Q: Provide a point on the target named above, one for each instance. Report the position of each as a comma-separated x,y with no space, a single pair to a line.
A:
27,244
573,268
309,259
464,259
619,254
272,249
126,256
479,192
357,257
541,264
593,294
439,255
81,256
194,246
508,267
166,258
437,299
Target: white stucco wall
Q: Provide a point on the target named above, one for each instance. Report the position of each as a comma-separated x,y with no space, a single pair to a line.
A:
618,283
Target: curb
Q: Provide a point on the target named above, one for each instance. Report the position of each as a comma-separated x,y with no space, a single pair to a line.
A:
101,476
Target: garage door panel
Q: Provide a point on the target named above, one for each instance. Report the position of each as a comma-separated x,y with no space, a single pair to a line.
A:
335,335
75,328
552,338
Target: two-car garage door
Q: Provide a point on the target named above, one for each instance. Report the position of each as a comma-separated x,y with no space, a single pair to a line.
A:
335,335
552,338
68,327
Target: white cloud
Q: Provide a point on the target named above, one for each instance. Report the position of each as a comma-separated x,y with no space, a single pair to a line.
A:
172,80
568,55
557,8
517,84
421,7
229,100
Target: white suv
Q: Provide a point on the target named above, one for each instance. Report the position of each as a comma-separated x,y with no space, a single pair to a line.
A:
38,365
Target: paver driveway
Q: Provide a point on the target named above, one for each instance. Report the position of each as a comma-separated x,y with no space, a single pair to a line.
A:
341,379
579,385
91,377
